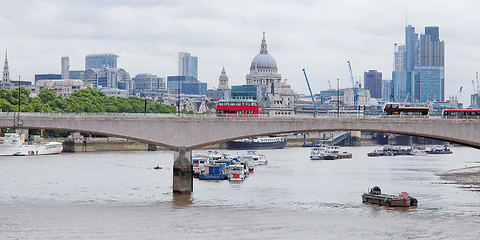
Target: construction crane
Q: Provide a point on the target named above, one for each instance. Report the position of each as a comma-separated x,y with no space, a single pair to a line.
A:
355,87
309,89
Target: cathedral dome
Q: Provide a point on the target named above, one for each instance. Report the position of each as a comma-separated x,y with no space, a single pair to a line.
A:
263,59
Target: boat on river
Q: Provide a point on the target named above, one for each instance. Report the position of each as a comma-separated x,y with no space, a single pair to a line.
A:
257,143
402,200
439,150
326,152
236,172
13,144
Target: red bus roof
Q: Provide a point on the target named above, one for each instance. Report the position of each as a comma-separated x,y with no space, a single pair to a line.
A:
462,110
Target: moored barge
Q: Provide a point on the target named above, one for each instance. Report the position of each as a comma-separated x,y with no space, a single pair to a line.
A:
402,200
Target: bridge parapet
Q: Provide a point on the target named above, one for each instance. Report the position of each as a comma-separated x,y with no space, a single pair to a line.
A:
194,131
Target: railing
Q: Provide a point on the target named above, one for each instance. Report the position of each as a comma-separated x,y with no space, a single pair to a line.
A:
232,116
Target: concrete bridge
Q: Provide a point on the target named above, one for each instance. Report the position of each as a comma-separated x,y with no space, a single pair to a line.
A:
187,132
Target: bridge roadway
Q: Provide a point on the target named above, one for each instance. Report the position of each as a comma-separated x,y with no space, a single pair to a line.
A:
196,131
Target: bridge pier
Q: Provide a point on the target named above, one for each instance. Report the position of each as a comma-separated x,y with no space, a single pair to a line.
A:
182,171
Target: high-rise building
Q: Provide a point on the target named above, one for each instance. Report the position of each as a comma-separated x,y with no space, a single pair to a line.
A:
101,60
429,81
223,80
187,65
373,82
419,67
399,88
65,68
386,89
411,45
6,71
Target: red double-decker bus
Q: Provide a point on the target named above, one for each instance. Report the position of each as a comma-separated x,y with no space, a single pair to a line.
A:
237,108
461,113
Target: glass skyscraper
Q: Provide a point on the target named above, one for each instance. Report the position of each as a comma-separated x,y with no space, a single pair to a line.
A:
187,65
100,60
419,67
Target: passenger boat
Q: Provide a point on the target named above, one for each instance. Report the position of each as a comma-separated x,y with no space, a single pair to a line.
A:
257,143
13,145
317,153
236,172
326,152
257,158
418,152
402,200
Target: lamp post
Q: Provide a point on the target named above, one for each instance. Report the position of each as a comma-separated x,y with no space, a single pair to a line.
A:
338,98
19,104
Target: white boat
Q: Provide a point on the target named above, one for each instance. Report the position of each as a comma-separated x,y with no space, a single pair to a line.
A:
236,172
418,152
257,158
13,145
317,153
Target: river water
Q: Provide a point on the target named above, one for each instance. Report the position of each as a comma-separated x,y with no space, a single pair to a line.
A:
118,195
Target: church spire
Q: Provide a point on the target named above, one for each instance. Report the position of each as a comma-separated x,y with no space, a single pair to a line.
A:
223,80
6,72
264,45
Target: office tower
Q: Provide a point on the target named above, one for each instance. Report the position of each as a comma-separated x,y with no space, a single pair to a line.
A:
399,93
223,80
411,45
420,75
101,60
373,82
6,71
65,68
187,65
429,82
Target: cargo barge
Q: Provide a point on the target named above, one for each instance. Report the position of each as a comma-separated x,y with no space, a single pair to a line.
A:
402,200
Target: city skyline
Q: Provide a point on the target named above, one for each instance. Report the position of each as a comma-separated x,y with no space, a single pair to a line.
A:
319,37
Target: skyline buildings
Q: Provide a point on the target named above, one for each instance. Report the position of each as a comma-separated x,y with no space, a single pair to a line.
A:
187,65
65,65
419,74
373,82
99,60
223,80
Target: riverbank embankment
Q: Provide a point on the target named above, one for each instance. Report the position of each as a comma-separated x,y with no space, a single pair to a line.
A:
468,177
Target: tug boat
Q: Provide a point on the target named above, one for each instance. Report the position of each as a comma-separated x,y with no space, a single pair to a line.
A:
402,200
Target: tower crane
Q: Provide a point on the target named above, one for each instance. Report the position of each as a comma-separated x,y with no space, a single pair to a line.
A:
309,89
355,87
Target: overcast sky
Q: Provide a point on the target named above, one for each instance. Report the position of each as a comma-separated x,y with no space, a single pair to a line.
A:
319,36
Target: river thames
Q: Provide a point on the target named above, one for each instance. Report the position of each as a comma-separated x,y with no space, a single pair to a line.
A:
118,195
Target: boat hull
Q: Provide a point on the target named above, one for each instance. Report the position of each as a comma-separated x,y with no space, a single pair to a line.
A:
34,149
386,200
237,145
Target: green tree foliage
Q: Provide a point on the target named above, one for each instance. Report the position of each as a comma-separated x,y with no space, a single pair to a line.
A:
81,101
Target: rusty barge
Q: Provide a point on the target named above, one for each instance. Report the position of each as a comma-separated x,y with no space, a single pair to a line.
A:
402,200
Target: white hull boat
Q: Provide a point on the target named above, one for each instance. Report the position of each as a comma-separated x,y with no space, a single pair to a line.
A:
13,145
